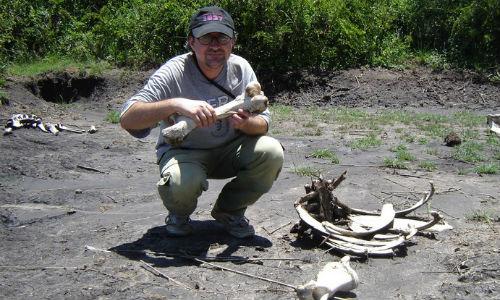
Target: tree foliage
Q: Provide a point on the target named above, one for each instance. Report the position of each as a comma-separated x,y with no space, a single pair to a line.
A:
275,35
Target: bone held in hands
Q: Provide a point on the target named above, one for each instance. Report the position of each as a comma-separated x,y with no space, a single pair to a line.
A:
252,100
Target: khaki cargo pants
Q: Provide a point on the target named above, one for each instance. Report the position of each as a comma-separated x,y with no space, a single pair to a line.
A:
254,161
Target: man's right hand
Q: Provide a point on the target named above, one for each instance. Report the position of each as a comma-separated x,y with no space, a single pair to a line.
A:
202,113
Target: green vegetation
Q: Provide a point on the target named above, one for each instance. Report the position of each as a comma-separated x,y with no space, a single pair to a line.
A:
427,165
490,168
333,34
419,132
4,100
58,64
326,154
306,171
481,216
370,141
469,151
394,163
113,117
402,156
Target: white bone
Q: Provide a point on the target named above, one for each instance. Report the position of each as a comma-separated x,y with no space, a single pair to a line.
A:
251,100
334,277
382,222
494,122
405,224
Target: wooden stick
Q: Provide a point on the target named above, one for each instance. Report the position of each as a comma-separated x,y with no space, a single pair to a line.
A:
90,169
36,267
159,273
211,258
246,274
280,227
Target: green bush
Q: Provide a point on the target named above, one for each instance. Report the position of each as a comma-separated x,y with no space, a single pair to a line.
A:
275,35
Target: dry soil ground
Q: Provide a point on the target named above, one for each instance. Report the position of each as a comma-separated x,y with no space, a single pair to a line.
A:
60,194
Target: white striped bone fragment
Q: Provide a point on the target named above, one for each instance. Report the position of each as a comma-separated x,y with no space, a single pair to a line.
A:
403,225
252,100
334,277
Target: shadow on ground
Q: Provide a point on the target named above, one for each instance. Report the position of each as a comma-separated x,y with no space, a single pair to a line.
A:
156,248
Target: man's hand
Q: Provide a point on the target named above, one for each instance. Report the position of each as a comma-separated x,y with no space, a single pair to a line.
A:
202,113
248,123
239,119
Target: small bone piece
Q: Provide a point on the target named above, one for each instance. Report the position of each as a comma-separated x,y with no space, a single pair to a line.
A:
62,127
52,128
334,277
251,100
493,122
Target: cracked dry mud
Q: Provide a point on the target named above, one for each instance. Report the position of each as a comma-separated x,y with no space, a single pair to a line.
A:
59,194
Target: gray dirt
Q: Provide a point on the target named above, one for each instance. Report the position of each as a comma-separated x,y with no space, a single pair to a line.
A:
60,194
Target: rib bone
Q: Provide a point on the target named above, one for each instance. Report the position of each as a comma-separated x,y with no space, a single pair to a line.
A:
404,224
252,100
383,222
404,212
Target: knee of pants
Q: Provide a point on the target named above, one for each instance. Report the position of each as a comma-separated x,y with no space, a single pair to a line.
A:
272,152
180,186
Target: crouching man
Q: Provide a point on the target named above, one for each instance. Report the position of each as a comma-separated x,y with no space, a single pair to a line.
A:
192,84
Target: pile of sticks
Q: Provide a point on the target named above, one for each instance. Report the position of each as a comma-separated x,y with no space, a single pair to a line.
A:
357,231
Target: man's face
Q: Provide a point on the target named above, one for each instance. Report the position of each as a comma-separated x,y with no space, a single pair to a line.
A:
212,50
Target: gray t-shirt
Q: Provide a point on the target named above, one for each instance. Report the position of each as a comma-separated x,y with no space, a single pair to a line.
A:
180,77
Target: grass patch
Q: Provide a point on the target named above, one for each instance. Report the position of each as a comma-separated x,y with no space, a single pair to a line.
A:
490,168
57,64
394,163
370,141
470,152
400,147
492,140
423,141
432,151
428,166
4,100
434,130
405,155
113,117
468,119
306,171
481,216
326,154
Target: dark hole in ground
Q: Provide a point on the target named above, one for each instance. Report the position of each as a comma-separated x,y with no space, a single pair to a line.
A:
64,87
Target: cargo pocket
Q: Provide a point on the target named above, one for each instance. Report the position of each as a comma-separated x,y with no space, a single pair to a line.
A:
163,184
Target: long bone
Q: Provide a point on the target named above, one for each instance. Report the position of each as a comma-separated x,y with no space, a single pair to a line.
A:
252,100
400,213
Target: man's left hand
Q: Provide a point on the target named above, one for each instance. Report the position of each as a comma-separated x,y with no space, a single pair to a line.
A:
239,119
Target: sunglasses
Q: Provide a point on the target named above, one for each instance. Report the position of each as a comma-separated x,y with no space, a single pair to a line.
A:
221,39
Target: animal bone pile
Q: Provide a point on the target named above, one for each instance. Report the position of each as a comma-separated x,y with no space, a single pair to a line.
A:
33,121
367,233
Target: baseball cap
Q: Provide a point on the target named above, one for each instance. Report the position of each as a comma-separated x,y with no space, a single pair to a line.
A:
211,19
